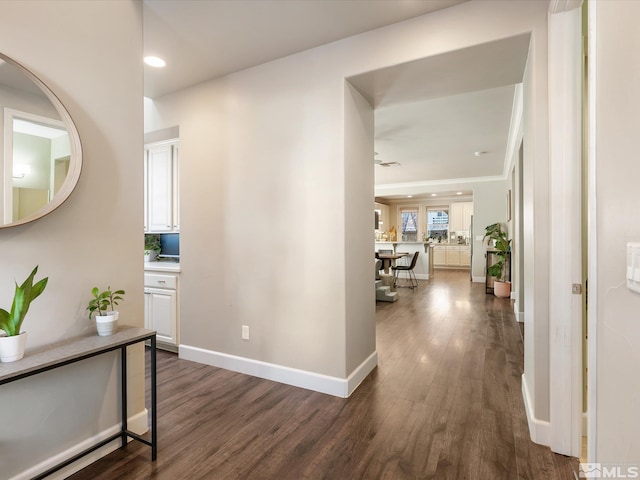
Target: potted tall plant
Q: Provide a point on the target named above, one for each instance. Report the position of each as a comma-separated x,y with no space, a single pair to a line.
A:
14,339
151,247
495,234
102,304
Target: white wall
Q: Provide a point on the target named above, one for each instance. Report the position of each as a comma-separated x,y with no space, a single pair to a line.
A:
618,210
263,182
95,238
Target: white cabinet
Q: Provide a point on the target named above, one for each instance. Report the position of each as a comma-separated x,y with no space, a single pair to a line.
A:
453,256
161,307
465,256
161,195
460,218
467,212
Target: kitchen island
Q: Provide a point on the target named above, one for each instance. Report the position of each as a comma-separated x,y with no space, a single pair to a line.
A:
422,267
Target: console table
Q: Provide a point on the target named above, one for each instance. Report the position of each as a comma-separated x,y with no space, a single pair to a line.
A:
49,357
491,258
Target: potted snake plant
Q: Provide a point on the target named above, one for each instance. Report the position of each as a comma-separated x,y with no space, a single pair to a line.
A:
14,339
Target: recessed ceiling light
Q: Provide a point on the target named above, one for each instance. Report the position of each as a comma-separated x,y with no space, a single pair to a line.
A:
409,196
434,194
458,193
480,153
154,61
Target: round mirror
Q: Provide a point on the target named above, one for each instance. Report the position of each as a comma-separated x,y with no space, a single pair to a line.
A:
41,152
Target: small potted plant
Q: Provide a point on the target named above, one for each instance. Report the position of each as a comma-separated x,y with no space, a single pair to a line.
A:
151,247
14,339
501,287
102,304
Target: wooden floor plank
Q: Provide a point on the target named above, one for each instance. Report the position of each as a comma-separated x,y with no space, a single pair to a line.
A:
444,403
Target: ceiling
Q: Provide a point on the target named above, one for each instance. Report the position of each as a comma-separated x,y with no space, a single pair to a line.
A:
431,115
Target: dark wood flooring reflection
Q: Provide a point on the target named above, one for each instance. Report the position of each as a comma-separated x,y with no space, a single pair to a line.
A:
444,403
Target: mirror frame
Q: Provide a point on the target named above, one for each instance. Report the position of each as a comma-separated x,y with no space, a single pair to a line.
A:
75,163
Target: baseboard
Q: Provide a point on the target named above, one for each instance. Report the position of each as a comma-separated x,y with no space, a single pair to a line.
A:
539,430
138,423
338,387
422,276
479,279
519,315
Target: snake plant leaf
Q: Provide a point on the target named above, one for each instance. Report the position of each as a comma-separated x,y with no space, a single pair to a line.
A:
11,322
4,321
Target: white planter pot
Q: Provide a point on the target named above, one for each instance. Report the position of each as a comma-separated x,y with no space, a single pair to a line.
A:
502,289
106,324
150,256
12,348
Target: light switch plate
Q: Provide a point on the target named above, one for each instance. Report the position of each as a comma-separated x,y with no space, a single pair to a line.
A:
633,266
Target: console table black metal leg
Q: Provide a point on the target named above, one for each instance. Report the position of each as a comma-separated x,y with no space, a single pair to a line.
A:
154,402
123,403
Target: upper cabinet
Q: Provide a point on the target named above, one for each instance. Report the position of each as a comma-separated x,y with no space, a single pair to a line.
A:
460,218
161,194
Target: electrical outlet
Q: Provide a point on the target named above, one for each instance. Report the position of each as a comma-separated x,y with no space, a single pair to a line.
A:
245,332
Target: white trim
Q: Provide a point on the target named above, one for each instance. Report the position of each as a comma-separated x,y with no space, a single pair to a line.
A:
592,317
565,167
432,183
137,423
539,430
519,315
515,131
479,279
339,387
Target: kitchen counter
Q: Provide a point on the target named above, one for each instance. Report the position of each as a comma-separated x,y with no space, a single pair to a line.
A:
162,266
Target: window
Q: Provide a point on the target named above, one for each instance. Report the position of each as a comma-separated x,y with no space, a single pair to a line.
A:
438,223
409,217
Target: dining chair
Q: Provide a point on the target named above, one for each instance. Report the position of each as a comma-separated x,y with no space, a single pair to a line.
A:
411,276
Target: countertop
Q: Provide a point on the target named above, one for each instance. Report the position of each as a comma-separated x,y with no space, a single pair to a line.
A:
162,266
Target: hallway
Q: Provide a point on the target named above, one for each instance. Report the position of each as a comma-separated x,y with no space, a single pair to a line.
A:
445,403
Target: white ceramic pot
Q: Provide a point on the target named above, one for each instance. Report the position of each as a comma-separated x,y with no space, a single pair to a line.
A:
106,324
150,255
502,289
12,348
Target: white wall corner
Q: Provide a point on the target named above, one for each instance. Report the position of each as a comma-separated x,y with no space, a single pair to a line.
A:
137,423
539,430
360,373
338,387
479,279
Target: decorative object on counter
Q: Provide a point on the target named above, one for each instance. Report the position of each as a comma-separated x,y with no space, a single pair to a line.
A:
102,304
151,247
392,234
501,287
14,340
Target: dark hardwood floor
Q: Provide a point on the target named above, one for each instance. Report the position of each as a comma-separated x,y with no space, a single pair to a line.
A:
444,403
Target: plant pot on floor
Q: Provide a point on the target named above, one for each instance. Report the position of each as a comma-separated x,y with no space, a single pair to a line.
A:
502,289
107,324
12,348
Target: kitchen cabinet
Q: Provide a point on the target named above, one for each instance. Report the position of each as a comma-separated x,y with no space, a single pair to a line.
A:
465,256
452,256
439,255
161,308
161,195
460,218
